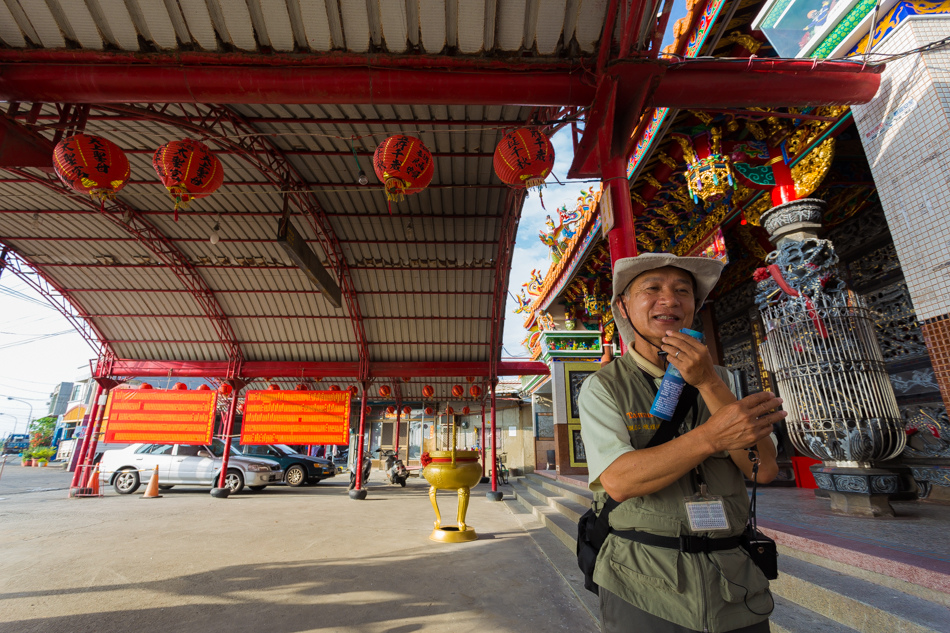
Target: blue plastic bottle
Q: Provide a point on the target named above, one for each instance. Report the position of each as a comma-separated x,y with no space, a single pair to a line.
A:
668,395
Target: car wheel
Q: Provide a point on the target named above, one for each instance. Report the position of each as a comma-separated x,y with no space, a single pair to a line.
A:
256,488
126,481
165,486
234,481
296,476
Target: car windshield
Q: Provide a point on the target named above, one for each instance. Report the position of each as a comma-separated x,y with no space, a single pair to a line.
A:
217,448
286,450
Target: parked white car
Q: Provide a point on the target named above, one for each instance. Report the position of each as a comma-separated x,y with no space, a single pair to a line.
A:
186,465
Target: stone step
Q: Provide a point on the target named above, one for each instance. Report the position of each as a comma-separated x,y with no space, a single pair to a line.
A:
857,603
562,527
811,596
555,498
576,494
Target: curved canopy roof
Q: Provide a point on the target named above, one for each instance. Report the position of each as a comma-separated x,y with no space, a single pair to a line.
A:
294,97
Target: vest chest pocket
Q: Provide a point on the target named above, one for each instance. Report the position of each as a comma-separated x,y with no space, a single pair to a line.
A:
641,565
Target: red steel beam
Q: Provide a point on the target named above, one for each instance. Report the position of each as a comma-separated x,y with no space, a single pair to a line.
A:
279,292
506,244
59,297
502,123
276,369
128,219
81,238
690,84
311,185
290,316
345,154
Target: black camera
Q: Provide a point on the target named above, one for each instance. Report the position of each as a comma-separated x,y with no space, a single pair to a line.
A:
762,550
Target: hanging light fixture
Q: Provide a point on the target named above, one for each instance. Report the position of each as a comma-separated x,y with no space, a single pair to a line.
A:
215,238
361,178
410,233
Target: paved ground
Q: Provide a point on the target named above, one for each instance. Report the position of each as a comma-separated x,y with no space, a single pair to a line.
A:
280,561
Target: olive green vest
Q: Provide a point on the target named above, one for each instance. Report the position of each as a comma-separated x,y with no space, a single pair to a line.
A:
711,592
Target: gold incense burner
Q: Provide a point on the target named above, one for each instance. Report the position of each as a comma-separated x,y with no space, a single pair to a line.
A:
452,468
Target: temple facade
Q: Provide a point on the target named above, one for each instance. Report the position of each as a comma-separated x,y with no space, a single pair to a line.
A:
701,181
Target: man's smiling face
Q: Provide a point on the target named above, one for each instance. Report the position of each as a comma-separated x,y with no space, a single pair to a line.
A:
659,300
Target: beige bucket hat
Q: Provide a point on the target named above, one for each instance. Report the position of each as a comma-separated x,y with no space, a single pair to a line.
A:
704,270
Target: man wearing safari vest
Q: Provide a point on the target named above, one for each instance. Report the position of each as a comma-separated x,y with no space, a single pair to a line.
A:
672,561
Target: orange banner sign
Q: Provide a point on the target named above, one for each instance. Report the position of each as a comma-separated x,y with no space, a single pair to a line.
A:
296,417
156,415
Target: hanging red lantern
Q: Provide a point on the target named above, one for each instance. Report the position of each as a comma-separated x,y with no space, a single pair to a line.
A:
457,391
427,391
273,387
475,391
449,410
188,170
145,385
391,410
385,390
404,165
334,387
300,387
406,379
428,410
225,389
470,379
466,410
202,387
367,410
353,389
407,410
91,164
524,158
180,386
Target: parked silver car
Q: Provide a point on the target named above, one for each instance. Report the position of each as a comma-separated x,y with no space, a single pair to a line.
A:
180,464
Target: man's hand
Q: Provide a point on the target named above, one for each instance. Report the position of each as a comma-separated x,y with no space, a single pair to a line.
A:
691,358
742,424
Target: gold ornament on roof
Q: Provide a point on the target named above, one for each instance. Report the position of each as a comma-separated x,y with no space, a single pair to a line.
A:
709,178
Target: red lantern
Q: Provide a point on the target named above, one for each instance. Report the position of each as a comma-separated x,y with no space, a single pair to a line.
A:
225,389
391,410
273,387
404,165
202,387
188,170
457,391
354,390
90,164
524,158
180,386
427,391
301,387
466,410
475,391
385,390
334,387
428,410
406,379
145,385
407,410
470,379
449,410
367,410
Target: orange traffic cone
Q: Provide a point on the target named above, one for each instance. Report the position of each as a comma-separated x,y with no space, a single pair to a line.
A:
151,492
94,483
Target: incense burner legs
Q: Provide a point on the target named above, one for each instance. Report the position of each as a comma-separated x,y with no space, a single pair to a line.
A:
458,474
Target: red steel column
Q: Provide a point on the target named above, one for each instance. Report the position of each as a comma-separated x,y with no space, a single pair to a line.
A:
87,431
228,429
623,237
784,190
91,444
482,444
494,470
359,442
396,446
